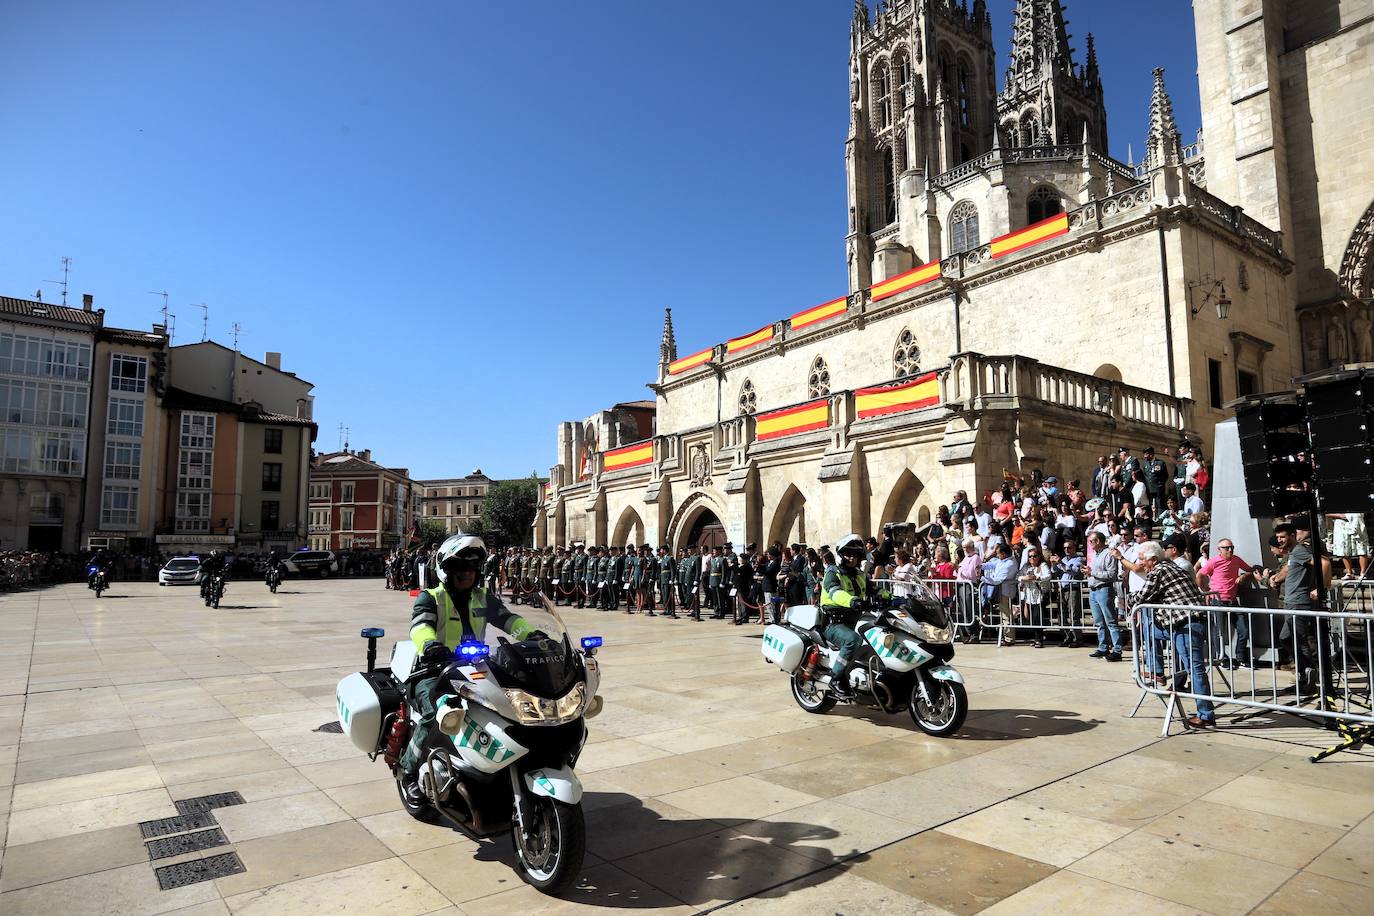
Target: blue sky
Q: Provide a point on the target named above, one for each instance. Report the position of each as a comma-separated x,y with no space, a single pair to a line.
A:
460,220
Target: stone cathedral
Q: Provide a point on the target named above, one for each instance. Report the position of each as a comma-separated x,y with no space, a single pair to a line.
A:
1017,298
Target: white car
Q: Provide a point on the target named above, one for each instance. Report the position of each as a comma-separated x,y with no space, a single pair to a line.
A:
311,563
180,571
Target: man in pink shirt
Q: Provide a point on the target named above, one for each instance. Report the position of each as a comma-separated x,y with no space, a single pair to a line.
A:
1225,573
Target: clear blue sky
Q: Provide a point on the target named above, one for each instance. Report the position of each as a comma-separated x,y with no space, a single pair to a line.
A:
460,220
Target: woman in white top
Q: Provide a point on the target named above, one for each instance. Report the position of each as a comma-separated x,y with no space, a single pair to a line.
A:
1035,572
904,574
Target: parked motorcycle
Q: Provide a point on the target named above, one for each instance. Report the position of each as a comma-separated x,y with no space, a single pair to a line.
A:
902,660
508,732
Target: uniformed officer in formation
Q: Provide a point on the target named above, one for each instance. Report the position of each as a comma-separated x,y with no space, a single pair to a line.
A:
667,572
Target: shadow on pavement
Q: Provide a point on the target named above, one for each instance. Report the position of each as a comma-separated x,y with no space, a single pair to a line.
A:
695,860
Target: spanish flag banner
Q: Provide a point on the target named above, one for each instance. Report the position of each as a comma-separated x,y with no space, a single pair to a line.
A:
762,335
819,313
1031,235
922,391
631,456
690,362
792,420
903,282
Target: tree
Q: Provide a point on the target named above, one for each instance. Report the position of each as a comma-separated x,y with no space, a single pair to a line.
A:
432,531
509,510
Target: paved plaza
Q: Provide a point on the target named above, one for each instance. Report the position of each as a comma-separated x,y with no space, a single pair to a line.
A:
707,787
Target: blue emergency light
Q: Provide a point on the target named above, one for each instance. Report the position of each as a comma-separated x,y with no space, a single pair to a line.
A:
90,569
591,642
474,650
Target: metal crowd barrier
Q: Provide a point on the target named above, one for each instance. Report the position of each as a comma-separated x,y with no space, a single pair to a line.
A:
1314,664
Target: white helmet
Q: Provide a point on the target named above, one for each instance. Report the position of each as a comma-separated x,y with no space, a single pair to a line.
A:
852,545
465,547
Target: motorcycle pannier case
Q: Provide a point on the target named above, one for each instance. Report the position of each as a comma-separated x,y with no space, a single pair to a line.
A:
783,647
364,700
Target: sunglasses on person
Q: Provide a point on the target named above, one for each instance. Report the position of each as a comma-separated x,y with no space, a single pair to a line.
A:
1225,547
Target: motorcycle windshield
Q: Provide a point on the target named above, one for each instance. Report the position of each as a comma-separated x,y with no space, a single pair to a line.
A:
531,650
925,607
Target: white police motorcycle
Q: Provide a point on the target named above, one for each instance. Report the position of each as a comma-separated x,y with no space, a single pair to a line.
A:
902,660
508,732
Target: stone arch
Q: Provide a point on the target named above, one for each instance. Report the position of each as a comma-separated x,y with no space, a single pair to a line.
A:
1357,266
1108,372
902,499
923,516
964,232
789,519
693,506
1042,203
560,524
629,528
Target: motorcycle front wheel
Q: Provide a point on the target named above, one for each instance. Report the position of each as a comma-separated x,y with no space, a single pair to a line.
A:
810,695
552,845
943,714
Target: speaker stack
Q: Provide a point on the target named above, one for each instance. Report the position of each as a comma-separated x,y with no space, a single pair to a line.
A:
1340,416
1274,454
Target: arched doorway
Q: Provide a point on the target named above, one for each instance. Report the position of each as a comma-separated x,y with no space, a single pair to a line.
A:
707,531
629,529
789,522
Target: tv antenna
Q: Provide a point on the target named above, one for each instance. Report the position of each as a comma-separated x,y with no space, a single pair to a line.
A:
169,321
343,438
66,269
204,320
237,329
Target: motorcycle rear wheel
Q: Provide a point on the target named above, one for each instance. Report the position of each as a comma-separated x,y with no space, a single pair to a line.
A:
552,850
944,714
809,695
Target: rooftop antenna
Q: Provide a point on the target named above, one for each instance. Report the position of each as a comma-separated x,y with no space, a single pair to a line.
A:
341,436
169,320
204,320
237,329
66,269
38,295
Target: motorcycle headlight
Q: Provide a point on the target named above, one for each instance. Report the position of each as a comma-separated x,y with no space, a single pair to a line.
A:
889,641
933,634
532,710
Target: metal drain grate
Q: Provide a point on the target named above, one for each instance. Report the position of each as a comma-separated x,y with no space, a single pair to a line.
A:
184,873
204,803
179,824
170,846
333,728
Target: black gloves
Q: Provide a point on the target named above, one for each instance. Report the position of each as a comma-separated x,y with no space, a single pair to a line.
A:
436,652
860,605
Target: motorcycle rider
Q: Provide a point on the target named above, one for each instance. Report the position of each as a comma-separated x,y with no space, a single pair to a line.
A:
457,610
100,563
845,594
274,564
211,566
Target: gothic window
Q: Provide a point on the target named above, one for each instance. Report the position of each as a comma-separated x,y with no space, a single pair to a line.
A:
1043,203
963,227
882,97
1030,131
748,399
965,96
818,384
883,211
903,67
1011,134
906,359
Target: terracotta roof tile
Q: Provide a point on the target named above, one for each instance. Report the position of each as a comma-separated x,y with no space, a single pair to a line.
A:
28,308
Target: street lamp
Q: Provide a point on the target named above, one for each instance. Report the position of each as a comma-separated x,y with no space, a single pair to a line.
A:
1215,292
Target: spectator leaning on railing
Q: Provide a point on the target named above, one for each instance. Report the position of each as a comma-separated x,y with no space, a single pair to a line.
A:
1176,597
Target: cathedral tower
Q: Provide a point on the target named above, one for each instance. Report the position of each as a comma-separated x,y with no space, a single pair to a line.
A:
922,86
1046,100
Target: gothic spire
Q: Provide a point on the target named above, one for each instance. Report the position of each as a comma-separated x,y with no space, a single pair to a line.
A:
1163,145
860,21
1039,35
1092,71
667,350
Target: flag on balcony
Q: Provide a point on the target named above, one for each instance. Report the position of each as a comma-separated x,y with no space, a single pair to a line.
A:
1031,235
631,456
819,313
903,282
762,335
792,420
690,362
922,391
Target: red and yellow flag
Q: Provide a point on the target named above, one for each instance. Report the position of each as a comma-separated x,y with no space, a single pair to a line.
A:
792,420
903,282
819,313
922,391
1031,235
762,335
690,362
631,456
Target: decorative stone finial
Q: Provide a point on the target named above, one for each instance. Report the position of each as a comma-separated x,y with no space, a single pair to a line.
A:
667,349
1163,145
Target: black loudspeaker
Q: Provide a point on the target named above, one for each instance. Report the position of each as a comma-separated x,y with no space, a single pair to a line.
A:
1274,453
1340,412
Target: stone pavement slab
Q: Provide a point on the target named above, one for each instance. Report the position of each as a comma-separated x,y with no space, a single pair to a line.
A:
706,786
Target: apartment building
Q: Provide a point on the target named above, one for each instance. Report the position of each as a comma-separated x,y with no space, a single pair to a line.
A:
355,502
46,354
454,501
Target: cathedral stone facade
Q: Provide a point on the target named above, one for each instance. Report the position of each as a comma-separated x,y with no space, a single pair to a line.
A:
1017,298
